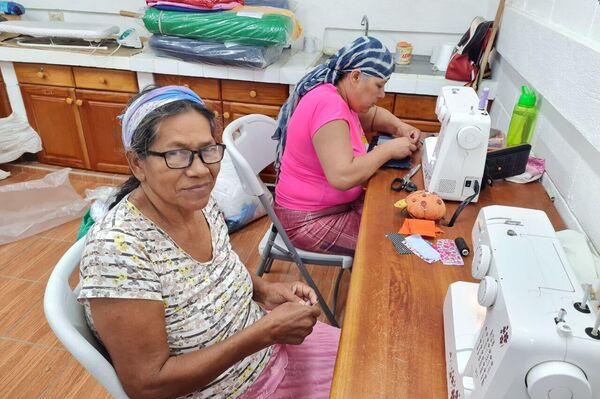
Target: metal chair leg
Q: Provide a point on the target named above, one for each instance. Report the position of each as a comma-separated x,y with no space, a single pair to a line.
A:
336,290
265,264
268,265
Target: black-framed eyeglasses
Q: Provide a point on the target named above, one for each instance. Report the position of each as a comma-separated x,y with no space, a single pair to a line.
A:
181,159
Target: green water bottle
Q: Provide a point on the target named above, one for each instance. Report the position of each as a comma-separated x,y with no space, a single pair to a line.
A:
522,121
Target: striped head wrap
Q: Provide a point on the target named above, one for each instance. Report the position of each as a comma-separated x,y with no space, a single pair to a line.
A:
147,103
366,53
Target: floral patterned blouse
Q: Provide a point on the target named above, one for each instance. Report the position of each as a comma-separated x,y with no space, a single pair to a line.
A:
127,256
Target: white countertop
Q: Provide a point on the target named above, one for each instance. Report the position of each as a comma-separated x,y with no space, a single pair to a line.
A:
287,70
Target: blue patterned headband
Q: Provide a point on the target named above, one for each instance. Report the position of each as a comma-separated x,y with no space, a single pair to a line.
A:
147,103
366,53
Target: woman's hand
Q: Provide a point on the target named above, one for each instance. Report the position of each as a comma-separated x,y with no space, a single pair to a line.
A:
272,295
408,131
400,147
290,323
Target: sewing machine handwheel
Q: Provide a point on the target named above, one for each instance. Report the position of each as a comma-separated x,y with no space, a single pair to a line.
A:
487,291
469,137
556,379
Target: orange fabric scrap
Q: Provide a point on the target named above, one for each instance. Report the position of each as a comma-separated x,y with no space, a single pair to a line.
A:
425,228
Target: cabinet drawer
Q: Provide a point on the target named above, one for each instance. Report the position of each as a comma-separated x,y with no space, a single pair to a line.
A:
415,107
105,79
387,102
424,126
204,87
256,93
53,75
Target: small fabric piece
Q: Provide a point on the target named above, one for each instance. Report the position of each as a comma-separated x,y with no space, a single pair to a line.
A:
425,228
397,239
448,252
533,171
421,248
400,204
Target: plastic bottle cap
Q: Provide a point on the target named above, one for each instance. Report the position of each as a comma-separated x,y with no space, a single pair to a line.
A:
527,98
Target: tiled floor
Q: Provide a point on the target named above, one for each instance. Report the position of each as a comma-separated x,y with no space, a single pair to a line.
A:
33,364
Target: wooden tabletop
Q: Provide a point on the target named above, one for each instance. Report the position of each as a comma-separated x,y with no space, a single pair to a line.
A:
392,343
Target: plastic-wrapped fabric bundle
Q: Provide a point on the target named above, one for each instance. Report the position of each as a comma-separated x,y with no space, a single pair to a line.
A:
259,10
204,4
180,6
268,3
225,26
215,53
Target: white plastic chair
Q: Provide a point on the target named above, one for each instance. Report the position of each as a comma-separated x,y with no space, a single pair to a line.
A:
248,140
67,319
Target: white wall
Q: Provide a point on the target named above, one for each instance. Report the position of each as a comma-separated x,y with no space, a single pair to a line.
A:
554,47
335,22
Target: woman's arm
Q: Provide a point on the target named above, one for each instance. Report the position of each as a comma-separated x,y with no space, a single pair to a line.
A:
133,332
381,120
344,170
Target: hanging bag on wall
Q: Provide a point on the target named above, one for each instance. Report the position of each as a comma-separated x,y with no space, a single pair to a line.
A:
465,60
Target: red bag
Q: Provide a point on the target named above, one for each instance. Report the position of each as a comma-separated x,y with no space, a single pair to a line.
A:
465,60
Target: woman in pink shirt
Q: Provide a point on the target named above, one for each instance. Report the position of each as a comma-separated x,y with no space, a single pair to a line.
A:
321,127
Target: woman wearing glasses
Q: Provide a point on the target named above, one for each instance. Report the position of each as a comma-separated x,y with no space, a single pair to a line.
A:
165,293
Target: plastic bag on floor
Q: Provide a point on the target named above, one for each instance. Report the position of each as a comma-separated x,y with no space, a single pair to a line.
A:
17,138
30,207
238,207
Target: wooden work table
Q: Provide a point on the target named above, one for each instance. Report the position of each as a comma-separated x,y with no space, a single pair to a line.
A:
392,343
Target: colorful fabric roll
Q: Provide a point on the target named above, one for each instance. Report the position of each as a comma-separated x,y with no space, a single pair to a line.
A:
246,28
203,4
179,6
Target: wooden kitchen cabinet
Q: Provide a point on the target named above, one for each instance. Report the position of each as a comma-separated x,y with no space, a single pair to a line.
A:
53,114
77,124
102,131
5,109
417,110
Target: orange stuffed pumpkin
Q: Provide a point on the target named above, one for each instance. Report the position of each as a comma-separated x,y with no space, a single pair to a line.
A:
425,205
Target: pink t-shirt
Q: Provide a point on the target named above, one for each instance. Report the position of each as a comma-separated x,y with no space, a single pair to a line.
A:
302,183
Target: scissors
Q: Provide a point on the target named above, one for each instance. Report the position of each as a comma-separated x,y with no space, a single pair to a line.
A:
404,183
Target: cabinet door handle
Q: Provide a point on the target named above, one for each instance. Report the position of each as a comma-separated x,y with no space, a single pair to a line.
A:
79,103
226,115
69,100
102,80
252,93
186,85
216,114
40,73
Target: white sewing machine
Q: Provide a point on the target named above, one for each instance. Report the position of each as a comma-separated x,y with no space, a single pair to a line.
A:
522,332
453,162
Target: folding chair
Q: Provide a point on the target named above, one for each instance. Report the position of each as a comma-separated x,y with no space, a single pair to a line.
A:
67,319
248,140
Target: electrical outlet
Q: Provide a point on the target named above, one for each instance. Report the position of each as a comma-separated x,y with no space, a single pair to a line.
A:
57,16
